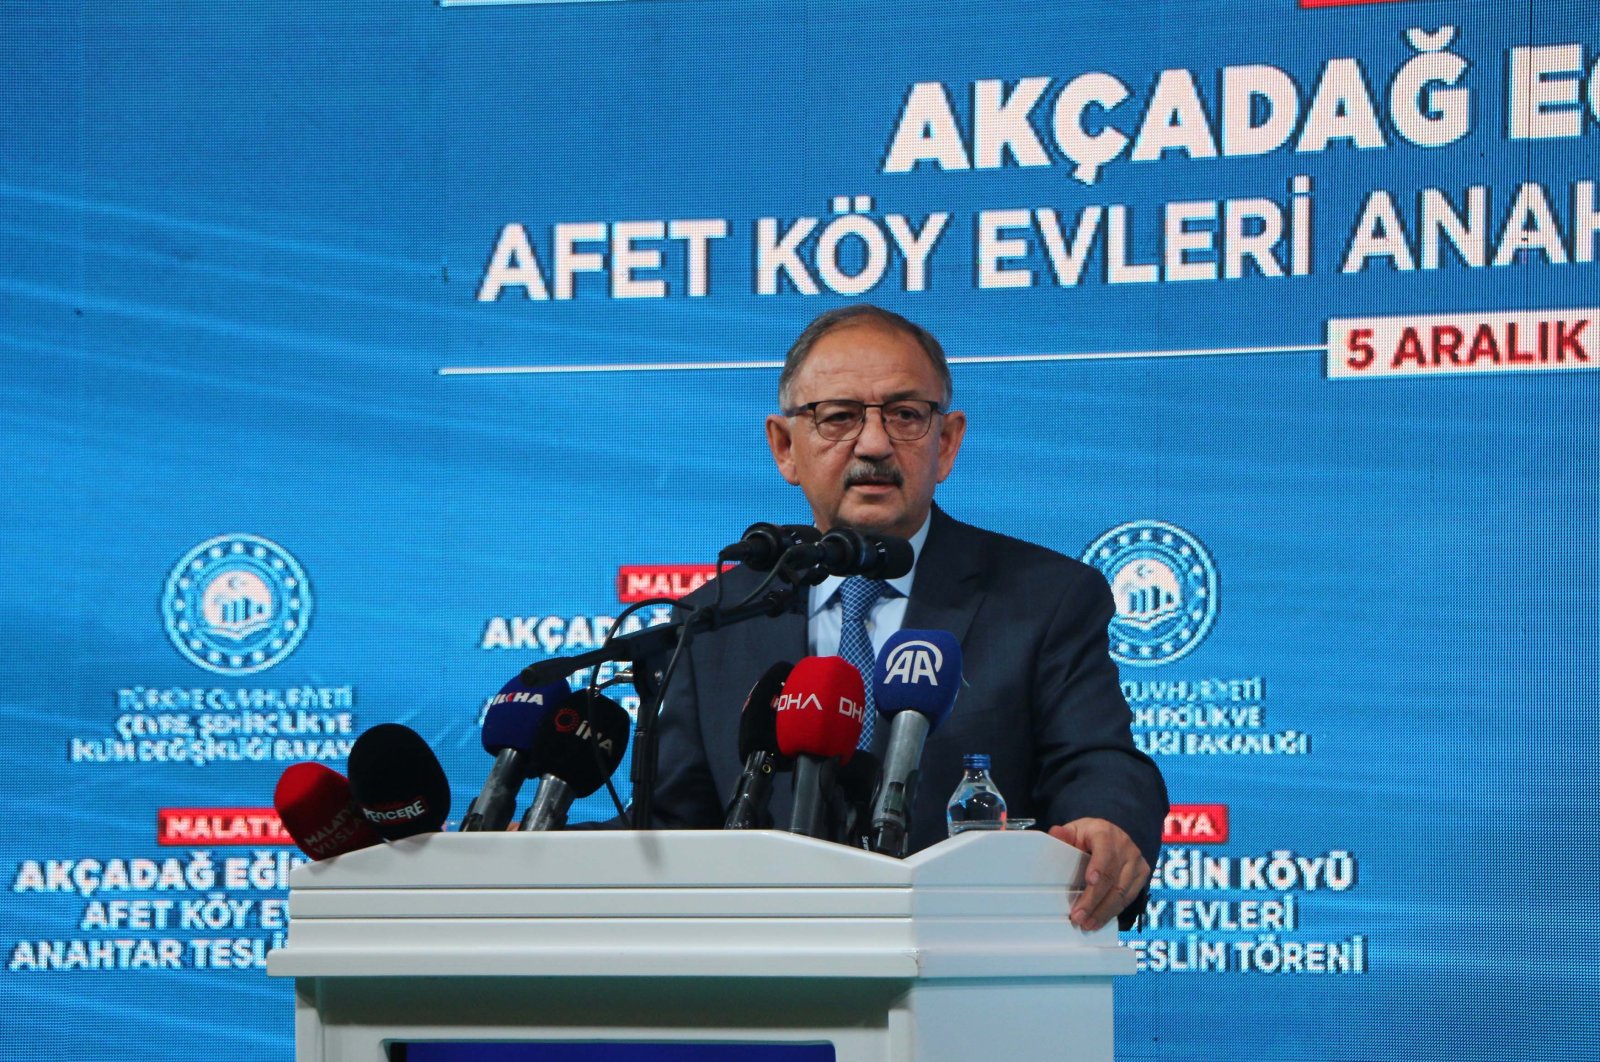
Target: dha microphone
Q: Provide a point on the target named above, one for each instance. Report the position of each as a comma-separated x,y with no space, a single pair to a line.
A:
314,803
577,747
819,721
758,746
845,551
914,684
398,783
764,543
509,726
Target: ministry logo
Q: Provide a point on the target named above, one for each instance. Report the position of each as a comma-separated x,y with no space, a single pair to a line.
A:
237,604
1165,586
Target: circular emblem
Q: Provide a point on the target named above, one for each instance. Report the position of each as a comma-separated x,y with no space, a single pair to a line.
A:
1165,586
237,604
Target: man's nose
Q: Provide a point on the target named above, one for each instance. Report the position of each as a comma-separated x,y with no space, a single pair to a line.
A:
874,439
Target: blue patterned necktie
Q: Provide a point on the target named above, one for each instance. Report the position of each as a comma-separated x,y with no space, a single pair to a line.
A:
856,595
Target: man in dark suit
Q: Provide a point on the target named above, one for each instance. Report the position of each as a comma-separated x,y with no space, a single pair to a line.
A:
867,432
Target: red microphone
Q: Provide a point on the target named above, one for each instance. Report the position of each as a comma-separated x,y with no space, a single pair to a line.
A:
317,810
820,713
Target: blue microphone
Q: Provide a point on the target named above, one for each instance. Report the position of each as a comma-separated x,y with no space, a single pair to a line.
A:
914,686
509,728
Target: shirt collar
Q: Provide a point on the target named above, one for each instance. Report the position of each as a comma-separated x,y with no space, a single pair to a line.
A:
823,594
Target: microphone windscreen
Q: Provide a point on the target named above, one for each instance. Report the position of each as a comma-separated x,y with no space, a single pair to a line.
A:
317,809
821,709
570,735
918,671
858,778
758,720
895,558
515,712
398,782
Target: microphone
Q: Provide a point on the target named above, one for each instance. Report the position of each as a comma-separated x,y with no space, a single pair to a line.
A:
758,746
853,812
577,747
314,803
845,551
509,725
819,720
398,783
914,685
764,543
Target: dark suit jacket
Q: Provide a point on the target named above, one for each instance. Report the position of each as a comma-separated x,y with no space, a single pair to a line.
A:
1040,693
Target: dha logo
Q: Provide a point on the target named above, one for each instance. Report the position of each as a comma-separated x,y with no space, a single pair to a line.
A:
913,661
794,702
1165,586
236,604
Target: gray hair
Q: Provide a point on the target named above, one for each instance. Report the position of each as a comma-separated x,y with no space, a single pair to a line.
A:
841,316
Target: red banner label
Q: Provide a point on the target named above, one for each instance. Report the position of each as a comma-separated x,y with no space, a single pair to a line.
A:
1195,824
220,826
637,582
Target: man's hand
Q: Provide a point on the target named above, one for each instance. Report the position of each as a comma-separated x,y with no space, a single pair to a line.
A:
1116,873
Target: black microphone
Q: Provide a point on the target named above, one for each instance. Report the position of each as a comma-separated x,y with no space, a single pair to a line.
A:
914,686
576,748
856,782
758,746
508,731
397,782
764,543
846,551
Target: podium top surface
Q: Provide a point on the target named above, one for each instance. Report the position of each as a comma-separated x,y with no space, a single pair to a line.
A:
693,904
678,859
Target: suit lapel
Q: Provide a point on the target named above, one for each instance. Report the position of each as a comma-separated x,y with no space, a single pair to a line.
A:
947,591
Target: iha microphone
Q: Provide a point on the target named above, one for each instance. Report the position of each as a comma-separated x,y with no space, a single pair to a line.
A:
819,721
315,805
758,747
509,725
398,783
914,686
577,747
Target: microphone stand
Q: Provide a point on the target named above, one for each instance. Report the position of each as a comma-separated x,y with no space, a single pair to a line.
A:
635,647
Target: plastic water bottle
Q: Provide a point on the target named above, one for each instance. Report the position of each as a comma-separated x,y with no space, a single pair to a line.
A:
976,803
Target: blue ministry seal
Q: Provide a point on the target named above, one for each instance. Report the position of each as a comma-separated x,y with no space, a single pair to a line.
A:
1165,586
237,604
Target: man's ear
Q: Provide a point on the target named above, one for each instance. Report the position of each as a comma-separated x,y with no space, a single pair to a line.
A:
951,432
780,439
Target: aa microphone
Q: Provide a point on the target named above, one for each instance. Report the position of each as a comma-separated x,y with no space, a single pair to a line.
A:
758,747
914,685
314,803
819,721
764,543
577,747
845,551
509,725
398,783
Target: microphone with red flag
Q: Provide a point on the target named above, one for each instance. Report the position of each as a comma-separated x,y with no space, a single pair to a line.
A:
318,811
758,747
819,722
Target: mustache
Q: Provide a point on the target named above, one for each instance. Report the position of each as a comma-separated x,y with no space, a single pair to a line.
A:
873,472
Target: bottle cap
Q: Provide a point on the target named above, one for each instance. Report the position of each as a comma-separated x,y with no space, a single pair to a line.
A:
975,761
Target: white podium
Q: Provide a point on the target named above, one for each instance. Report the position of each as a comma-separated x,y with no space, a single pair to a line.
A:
962,952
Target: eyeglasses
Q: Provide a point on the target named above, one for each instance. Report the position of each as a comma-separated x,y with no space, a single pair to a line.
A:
841,419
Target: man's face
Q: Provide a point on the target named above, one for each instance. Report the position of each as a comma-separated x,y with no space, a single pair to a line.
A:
871,482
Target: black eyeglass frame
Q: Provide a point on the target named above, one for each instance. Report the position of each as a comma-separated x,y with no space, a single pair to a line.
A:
934,409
